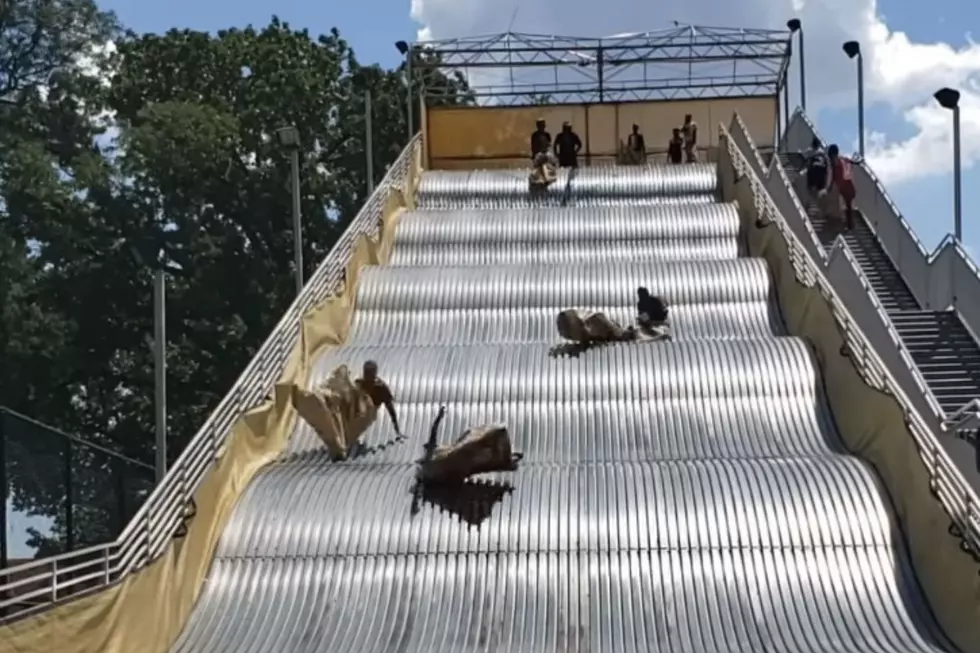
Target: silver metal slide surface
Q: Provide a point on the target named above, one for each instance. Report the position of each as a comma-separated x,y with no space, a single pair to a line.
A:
687,496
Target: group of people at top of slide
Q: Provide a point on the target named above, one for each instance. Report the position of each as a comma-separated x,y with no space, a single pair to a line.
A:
341,410
825,170
681,148
548,155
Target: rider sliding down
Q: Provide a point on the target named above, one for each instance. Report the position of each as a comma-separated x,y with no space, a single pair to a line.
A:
589,328
544,170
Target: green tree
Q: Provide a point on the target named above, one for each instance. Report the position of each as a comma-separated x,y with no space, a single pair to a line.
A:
51,94
195,170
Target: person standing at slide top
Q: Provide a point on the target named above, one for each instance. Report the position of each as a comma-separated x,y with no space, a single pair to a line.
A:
675,147
567,146
636,147
540,140
690,132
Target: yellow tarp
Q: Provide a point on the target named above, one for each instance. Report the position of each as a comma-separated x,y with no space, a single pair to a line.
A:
146,612
872,426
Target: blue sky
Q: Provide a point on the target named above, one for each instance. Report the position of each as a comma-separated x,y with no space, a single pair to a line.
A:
372,26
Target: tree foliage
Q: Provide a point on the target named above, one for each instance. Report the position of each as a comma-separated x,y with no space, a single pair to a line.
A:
117,143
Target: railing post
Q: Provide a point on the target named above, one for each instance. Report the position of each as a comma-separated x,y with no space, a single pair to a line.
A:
54,580
5,487
213,439
69,498
121,505
144,557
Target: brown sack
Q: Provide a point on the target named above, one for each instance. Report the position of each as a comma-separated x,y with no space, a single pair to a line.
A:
478,450
601,328
586,327
545,171
338,410
571,326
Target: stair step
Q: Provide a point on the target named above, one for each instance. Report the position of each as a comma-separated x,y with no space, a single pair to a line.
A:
945,334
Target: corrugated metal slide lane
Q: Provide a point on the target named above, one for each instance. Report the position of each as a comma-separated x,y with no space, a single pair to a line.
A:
687,496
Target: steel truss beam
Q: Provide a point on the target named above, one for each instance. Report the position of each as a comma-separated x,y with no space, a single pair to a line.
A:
684,62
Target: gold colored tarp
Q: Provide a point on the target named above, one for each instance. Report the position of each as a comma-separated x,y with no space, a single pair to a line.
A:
463,138
146,612
872,426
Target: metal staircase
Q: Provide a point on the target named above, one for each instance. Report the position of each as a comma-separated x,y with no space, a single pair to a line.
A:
945,352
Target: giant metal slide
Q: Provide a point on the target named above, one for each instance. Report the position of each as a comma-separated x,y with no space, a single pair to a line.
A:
685,496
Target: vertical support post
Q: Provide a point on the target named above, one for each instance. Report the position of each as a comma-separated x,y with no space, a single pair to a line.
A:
949,98
786,108
160,368
369,141
69,496
297,220
119,469
600,66
5,488
409,83
957,178
802,73
860,63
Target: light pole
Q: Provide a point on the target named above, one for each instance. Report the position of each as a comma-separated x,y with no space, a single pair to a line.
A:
853,50
369,142
160,366
949,98
796,27
289,139
406,49
153,254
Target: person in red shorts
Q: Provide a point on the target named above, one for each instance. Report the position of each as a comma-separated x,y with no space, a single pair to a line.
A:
842,178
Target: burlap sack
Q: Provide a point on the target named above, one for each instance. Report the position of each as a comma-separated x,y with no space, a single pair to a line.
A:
338,410
585,327
478,450
545,171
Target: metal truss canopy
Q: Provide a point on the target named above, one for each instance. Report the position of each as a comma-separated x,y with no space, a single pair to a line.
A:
684,62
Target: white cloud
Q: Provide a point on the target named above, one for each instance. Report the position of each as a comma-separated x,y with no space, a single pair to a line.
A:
898,71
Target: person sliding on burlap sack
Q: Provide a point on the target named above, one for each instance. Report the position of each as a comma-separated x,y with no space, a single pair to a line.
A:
589,328
341,410
651,315
478,450
544,169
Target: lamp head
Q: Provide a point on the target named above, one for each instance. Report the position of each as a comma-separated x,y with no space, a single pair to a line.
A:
402,46
288,136
852,49
794,24
948,98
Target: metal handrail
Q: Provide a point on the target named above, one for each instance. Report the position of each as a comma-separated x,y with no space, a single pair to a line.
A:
37,585
954,493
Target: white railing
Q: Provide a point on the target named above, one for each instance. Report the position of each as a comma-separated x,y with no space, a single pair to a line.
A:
947,277
842,277
35,585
